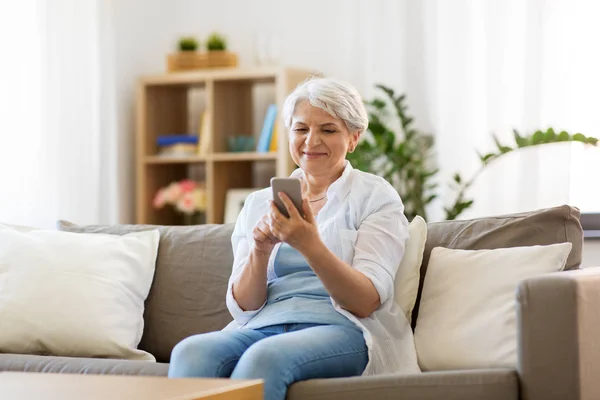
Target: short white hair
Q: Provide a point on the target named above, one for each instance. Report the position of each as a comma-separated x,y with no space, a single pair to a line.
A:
339,99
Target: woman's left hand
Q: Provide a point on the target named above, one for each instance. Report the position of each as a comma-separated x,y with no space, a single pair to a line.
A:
300,233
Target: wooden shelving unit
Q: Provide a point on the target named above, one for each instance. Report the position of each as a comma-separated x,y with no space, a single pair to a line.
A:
229,98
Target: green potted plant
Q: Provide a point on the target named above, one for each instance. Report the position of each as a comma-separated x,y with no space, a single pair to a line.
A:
189,57
539,137
188,43
216,42
217,55
404,156
186,57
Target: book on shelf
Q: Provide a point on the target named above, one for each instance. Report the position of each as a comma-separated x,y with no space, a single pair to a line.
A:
204,133
264,140
176,145
274,136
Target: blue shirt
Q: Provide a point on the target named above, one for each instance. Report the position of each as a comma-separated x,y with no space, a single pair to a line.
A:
296,295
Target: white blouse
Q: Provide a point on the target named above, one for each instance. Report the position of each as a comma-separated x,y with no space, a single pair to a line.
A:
363,223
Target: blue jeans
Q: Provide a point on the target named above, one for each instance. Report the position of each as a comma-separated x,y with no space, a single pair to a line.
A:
279,354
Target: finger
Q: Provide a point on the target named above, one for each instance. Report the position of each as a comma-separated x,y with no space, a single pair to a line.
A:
259,236
310,217
276,231
274,208
276,224
275,215
267,230
289,206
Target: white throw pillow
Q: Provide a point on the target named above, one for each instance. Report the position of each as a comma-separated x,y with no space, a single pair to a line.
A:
467,313
406,284
74,294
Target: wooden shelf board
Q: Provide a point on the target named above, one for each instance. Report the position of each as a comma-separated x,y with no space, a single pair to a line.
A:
198,77
201,76
243,156
174,160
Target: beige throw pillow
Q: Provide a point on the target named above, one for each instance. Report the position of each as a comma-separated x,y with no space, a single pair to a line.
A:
78,295
467,313
406,284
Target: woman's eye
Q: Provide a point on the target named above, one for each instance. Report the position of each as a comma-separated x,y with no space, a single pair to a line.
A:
300,130
329,131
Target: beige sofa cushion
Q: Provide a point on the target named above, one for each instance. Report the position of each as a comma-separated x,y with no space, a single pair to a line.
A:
80,365
188,291
488,384
540,227
470,296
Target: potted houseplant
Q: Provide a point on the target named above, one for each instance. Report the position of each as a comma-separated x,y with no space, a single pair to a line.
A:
189,57
405,156
217,55
188,44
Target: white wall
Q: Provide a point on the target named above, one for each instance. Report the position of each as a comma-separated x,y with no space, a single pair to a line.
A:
359,41
435,52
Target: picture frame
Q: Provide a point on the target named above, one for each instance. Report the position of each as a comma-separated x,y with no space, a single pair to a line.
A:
234,202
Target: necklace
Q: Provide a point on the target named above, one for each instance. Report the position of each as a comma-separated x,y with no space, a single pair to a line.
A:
314,201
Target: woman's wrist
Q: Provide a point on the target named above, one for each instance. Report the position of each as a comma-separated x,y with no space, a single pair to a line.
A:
312,249
262,254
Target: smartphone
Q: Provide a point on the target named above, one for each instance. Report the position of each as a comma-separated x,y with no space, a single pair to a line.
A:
290,186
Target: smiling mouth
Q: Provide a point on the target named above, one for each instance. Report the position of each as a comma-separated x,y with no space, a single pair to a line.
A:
313,154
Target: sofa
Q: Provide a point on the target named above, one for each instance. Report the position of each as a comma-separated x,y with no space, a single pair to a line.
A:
558,314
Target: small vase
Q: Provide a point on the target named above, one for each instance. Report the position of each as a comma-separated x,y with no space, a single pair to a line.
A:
194,219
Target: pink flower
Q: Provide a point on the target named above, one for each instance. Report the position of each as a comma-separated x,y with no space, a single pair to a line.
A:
172,193
187,185
186,203
159,199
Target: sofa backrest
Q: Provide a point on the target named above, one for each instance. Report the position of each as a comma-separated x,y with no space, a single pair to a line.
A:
187,295
540,227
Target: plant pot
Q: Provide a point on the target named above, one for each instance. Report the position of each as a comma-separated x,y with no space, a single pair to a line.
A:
220,59
193,60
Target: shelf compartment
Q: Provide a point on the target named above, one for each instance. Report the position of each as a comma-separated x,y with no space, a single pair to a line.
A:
163,111
228,175
232,108
156,178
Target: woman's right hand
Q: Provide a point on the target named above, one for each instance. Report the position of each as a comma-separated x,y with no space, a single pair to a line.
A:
264,240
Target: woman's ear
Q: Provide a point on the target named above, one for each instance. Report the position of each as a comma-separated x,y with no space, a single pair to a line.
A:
354,137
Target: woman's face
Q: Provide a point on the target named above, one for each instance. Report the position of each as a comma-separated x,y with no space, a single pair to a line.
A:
319,142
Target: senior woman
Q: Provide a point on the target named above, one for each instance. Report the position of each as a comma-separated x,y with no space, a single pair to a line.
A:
312,296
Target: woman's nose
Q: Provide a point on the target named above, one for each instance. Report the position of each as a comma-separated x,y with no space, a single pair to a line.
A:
312,139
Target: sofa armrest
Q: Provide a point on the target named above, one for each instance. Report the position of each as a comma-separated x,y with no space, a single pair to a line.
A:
559,336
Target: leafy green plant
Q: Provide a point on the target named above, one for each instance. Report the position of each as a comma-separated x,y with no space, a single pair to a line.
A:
403,158
401,154
538,137
188,43
216,42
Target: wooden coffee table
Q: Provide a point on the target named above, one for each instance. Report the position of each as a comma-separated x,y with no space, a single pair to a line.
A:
30,386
